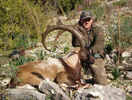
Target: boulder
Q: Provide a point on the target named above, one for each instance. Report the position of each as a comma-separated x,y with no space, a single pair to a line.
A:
53,90
129,76
126,54
5,81
24,94
99,92
129,90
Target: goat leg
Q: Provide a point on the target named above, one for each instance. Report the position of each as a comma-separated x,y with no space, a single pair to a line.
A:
81,85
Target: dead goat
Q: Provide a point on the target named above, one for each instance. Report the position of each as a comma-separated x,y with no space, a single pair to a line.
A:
61,70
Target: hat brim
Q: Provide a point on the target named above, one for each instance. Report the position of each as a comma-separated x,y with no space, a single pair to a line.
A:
86,18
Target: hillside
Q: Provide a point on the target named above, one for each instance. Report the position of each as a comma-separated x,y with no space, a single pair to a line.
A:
22,23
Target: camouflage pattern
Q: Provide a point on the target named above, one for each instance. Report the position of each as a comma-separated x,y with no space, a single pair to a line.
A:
95,40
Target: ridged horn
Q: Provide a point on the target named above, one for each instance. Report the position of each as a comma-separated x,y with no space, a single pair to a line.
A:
66,28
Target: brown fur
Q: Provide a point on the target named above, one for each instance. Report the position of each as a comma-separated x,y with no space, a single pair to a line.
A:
64,70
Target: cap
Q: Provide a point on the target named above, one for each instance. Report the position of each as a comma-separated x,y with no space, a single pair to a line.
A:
85,14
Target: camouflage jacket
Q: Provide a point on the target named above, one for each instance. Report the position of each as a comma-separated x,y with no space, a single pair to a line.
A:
95,38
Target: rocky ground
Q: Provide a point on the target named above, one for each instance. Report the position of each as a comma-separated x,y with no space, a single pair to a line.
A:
117,89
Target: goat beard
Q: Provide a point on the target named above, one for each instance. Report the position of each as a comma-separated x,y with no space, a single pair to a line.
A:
86,56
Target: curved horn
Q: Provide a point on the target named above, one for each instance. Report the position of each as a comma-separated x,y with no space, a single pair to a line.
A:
67,28
57,36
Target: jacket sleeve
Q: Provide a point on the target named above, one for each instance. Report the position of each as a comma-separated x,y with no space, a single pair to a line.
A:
98,46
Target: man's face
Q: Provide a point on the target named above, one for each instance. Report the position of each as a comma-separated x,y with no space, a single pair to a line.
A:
87,23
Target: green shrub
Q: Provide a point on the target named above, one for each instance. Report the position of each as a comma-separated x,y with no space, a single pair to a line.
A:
128,97
69,5
99,12
40,55
115,59
116,73
66,49
126,30
122,39
108,48
96,9
120,3
12,19
20,22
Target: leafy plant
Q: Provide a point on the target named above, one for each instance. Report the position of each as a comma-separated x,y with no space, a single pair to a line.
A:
20,22
58,56
120,32
115,59
128,97
108,48
49,97
40,55
66,49
22,42
116,73
120,3
69,5
99,12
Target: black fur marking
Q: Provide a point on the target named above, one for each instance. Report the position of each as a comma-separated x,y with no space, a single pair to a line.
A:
38,75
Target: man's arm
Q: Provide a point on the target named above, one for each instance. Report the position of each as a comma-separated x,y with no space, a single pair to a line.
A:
98,47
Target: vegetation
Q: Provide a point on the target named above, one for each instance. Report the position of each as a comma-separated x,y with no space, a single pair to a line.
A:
20,23
116,73
23,21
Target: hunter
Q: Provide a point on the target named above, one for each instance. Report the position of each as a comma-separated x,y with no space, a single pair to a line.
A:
95,40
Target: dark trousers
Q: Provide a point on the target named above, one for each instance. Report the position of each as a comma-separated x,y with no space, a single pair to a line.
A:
98,72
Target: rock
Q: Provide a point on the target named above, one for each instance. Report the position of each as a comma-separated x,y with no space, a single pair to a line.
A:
107,58
24,94
50,88
120,67
15,54
129,76
129,90
128,66
126,54
110,76
5,81
26,86
99,92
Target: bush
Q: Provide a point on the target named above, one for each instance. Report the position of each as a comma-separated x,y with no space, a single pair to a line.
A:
120,3
69,5
116,73
20,22
109,48
123,38
40,55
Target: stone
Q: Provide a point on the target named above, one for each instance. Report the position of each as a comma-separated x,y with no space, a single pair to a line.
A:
24,94
50,88
128,66
129,90
121,67
129,76
107,58
126,54
110,76
5,81
99,92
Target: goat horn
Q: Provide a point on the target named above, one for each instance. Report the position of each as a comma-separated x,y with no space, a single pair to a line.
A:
57,36
67,28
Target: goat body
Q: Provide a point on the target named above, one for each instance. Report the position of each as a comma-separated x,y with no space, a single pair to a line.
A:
62,70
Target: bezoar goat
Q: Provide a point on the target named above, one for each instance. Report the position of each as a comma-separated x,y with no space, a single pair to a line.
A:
61,70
